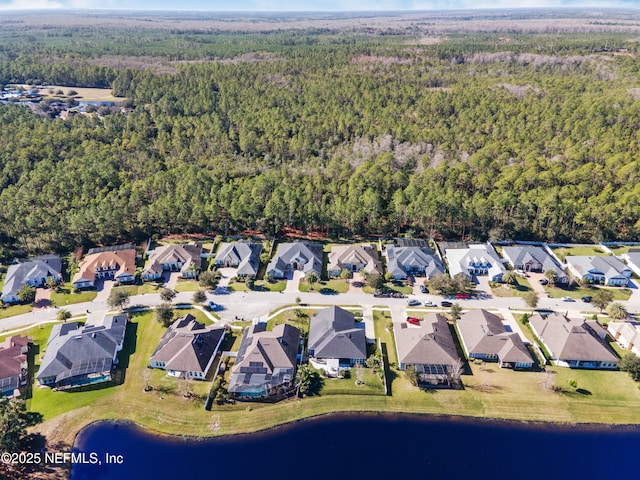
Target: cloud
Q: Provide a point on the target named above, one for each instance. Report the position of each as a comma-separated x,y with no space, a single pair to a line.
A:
31,5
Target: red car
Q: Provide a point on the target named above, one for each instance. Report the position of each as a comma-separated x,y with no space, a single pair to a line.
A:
462,295
413,320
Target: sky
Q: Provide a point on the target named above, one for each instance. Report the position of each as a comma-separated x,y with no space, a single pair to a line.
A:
305,5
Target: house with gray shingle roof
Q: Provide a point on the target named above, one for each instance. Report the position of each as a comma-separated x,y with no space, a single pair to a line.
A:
572,342
183,258
35,272
599,269
336,341
475,259
484,336
14,367
418,261
303,256
532,258
244,256
632,257
265,365
354,258
429,348
79,355
187,348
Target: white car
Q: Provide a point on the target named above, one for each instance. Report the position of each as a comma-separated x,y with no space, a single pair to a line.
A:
567,299
429,303
412,302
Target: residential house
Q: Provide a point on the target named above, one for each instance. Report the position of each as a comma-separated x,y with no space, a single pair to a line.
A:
354,258
419,261
244,256
475,260
183,258
484,336
265,365
429,348
187,348
532,258
336,341
599,269
627,334
35,272
572,342
80,355
632,257
109,263
14,368
303,256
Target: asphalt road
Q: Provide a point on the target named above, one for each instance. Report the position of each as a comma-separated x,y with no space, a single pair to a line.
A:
251,305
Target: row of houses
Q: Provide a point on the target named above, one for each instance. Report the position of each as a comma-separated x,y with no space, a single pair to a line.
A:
265,363
404,258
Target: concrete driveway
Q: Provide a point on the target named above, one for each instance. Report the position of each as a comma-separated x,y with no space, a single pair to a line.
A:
43,298
534,281
292,283
172,281
104,290
227,274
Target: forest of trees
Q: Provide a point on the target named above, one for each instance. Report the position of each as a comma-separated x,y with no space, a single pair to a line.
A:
357,135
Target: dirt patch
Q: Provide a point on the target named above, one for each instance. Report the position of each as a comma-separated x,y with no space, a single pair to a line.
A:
521,91
429,41
635,93
81,93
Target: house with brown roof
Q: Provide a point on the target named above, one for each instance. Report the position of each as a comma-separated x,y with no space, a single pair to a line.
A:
574,343
484,336
187,348
265,366
14,368
108,263
429,348
354,258
183,258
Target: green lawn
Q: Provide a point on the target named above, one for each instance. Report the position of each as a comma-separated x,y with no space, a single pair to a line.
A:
562,252
504,290
198,314
187,286
238,287
290,317
400,288
14,310
270,286
373,385
340,286
66,296
150,287
579,292
619,250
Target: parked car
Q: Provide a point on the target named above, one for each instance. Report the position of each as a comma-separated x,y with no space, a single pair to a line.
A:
445,304
429,303
462,295
587,299
214,306
543,281
412,302
413,320
567,299
424,289
521,273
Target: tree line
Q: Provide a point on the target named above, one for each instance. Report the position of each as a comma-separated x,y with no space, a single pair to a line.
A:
348,138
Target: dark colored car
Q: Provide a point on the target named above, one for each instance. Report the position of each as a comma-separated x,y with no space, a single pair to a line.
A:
543,281
587,299
445,304
424,289
413,320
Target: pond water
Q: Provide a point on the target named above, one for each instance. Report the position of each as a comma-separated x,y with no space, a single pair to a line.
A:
367,447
